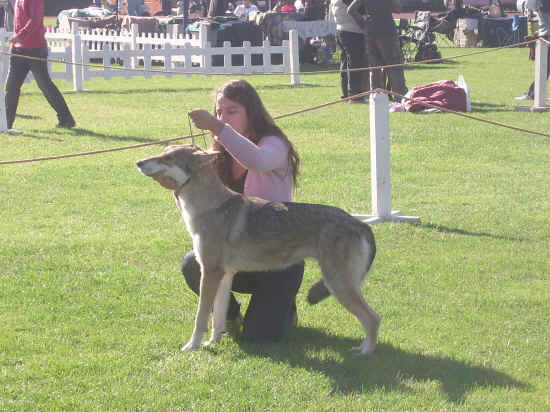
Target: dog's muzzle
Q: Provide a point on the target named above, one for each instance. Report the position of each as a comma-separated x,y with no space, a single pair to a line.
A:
152,168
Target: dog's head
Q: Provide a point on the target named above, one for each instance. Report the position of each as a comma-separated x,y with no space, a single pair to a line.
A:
175,167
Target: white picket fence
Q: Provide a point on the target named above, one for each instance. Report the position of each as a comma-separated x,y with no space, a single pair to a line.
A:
100,53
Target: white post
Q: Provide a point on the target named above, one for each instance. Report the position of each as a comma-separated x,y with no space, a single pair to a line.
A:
76,48
294,53
134,33
4,65
380,164
380,155
541,69
203,38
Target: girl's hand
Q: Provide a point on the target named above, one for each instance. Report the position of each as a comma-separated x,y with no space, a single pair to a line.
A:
204,120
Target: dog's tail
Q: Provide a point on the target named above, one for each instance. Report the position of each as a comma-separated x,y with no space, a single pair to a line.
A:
317,293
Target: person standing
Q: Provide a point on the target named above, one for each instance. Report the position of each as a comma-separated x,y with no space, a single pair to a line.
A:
244,9
167,7
351,42
28,40
382,42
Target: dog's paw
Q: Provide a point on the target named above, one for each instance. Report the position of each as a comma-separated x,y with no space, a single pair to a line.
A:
213,339
189,346
366,348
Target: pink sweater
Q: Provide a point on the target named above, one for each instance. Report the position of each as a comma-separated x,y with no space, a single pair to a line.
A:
269,171
29,24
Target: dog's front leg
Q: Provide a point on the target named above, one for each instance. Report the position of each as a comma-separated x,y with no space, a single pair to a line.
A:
210,282
221,304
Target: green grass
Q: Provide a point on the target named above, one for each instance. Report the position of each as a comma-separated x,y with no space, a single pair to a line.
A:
93,309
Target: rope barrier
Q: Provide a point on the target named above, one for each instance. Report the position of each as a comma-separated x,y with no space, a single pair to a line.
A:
301,111
190,136
468,116
176,72
94,152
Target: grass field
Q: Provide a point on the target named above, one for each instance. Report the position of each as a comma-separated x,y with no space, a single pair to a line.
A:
93,309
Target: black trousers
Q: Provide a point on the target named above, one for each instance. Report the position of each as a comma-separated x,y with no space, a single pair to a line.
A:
19,68
273,302
384,49
352,56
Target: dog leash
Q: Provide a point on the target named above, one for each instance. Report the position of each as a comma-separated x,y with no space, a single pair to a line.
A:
191,133
190,130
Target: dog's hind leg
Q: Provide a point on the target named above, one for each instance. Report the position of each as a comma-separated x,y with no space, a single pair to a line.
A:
352,299
343,272
221,303
210,282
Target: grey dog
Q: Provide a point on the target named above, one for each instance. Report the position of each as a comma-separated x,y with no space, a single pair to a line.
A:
232,232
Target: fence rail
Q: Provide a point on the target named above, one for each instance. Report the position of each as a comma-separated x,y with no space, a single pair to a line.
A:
108,54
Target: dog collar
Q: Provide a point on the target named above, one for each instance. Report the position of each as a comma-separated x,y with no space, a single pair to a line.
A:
183,184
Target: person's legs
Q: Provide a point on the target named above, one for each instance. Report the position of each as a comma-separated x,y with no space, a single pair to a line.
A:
390,51
377,78
272,308
353,45
344,81
365,74
191,271
39,69
18,70
133,7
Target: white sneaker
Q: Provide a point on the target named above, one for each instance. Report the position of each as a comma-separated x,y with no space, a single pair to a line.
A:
524,97
14,131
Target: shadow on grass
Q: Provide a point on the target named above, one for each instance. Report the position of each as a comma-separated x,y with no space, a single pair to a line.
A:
27,116
444,229
490,108
34,136
389,369
78,131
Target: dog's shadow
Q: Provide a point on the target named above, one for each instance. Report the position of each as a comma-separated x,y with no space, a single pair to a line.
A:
389,369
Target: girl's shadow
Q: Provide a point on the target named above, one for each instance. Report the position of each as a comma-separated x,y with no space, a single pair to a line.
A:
389,368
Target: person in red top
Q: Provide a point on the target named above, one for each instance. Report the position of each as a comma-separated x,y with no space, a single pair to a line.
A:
28,41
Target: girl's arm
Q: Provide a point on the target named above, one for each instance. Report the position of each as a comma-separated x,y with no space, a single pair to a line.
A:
270,154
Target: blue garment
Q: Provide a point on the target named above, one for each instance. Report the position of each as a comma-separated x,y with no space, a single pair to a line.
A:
133,7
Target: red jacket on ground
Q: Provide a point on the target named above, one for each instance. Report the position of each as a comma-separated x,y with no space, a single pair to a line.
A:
29,24
444,93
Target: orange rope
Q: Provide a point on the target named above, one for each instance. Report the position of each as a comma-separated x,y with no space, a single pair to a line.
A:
116,149
468,116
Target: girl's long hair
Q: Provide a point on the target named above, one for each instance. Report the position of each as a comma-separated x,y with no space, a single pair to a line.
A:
260,124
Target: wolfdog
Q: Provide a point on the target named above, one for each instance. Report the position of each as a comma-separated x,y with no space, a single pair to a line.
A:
232,233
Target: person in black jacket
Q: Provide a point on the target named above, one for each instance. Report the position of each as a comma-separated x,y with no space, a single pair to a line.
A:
382,42
351,42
